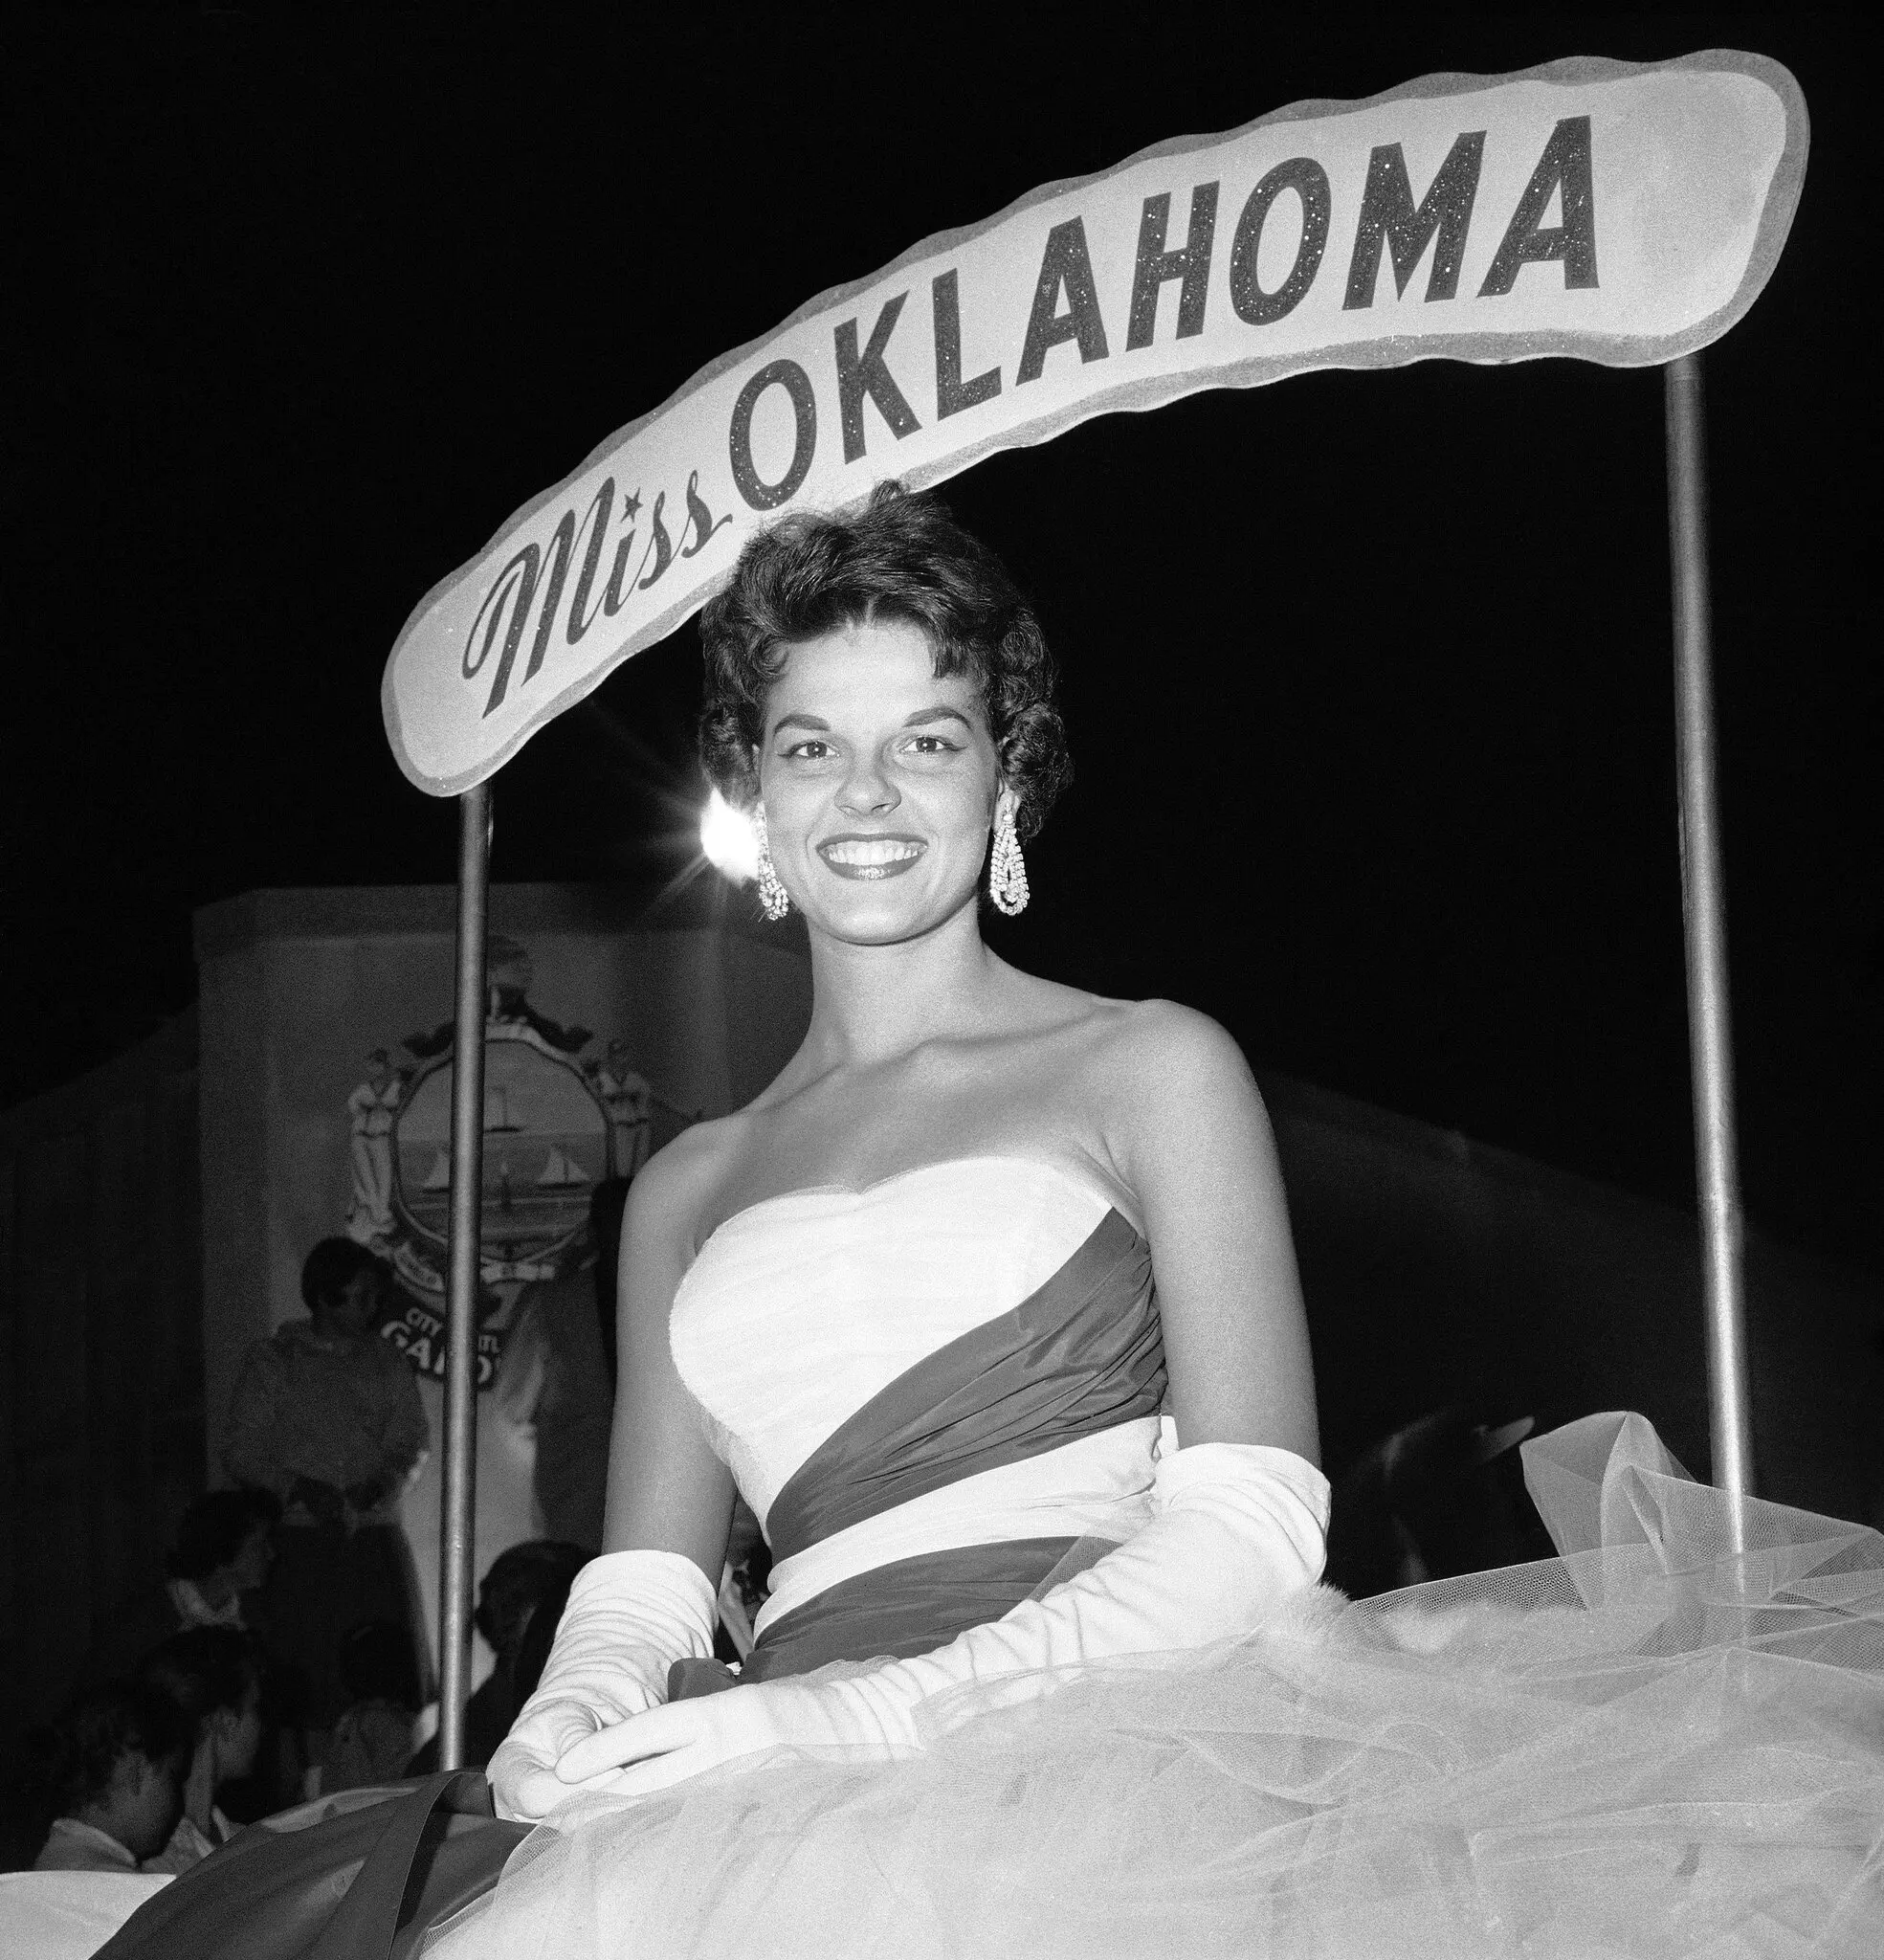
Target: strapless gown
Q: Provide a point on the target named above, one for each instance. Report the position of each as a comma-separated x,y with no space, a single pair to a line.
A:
943,1394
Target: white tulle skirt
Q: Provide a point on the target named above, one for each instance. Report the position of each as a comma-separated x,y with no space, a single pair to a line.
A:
1669,1740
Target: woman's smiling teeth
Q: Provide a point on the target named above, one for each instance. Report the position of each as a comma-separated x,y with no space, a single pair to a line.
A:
871,857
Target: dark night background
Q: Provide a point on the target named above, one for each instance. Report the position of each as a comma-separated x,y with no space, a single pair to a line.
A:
1369,675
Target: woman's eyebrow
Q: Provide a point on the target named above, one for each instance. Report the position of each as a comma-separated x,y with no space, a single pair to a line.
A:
938,713
802,721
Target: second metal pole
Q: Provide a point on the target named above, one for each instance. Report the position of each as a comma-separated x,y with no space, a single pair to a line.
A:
456,1569
1704,916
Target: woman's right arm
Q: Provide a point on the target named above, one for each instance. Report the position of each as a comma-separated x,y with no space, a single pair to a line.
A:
649,1600
667,1490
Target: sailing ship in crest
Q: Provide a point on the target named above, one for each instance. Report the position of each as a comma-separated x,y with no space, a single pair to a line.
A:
561,1172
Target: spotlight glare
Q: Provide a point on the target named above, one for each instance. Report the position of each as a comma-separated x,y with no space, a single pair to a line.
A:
729,841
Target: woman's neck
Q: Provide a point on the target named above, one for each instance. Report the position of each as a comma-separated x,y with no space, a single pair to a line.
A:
872,1002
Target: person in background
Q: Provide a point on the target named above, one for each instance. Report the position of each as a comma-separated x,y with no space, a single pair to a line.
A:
211,1677
327,1416
519,1603
372,1740
112,1768
217,1568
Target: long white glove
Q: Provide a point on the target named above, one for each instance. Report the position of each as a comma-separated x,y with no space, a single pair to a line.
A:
630,1615
1237,1529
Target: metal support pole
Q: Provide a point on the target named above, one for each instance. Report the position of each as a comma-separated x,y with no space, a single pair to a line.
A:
1704,916
455,1530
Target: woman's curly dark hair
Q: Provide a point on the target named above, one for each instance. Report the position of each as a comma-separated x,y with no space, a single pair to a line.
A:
902,556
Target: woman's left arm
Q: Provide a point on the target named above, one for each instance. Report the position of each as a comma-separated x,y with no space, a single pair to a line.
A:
1190,1140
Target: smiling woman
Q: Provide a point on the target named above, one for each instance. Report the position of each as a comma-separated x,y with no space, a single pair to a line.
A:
969,1168
875,769
988,1307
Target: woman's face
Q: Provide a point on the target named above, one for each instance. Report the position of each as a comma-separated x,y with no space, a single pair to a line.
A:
879,784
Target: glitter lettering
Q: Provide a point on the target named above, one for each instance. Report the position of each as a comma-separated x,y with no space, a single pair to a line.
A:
1065,266
1564,168
1156,266
1387,216
867,373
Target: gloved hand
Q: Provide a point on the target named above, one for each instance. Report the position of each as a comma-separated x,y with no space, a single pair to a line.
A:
630,1615
1237,1529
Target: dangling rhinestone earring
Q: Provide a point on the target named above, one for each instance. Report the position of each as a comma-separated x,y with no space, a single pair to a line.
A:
774,898
1007,874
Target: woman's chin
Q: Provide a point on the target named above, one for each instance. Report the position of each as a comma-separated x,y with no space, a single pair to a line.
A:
881,914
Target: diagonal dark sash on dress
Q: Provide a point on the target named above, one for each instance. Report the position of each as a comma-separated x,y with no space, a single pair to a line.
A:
1082,1353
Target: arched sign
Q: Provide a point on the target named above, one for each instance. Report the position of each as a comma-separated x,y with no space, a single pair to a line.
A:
1615,212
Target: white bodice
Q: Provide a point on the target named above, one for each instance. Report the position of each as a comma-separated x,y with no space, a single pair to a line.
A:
801,1308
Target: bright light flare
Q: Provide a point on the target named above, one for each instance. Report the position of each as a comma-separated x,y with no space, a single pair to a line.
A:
729,840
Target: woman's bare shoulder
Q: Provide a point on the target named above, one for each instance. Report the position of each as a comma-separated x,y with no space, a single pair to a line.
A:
1144,1037
1156,1067
1165,1035
677,1187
